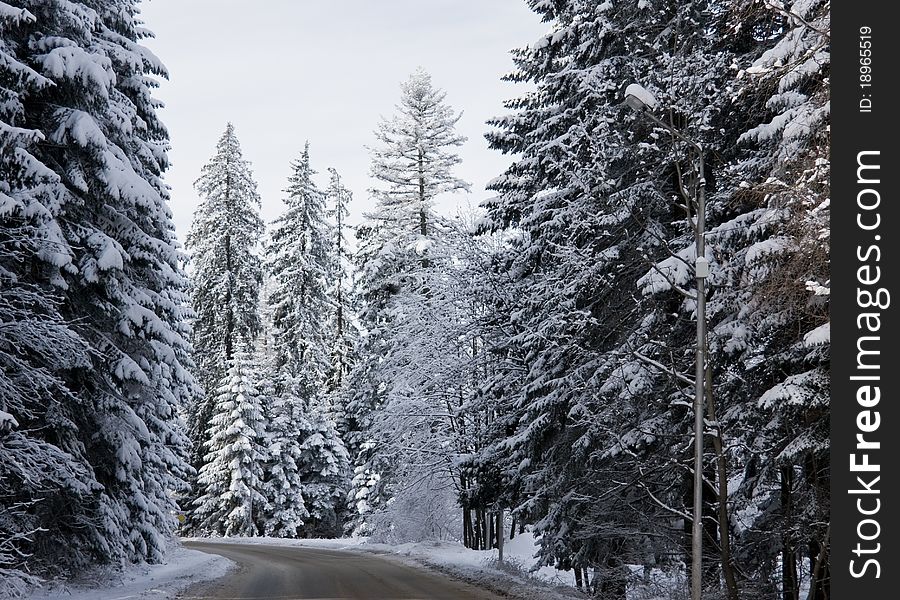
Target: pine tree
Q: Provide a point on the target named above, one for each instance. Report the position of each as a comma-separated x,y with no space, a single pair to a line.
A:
286,426
232,493
595,330
343,330
414,163
775,335
227,271
324,464
299,262
80,82
39,450
306,267
415,155
591,199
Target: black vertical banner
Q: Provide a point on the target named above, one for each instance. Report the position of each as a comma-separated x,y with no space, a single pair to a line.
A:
865,420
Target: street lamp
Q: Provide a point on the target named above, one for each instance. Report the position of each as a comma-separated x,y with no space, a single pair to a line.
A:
642,101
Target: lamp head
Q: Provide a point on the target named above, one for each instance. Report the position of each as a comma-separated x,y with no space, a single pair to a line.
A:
639,98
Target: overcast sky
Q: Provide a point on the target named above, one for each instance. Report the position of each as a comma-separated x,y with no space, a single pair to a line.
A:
284,71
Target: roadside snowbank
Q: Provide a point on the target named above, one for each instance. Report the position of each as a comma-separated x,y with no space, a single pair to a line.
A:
183,567
481,568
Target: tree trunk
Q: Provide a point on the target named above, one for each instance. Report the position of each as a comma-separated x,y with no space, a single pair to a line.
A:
820,572
477,531
501,530
466,517
491,533
423,215
465,527
790,590
722,493
710,525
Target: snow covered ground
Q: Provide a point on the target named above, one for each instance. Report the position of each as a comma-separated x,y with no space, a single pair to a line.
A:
182,568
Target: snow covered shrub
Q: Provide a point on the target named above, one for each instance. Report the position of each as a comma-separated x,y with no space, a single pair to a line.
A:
510,565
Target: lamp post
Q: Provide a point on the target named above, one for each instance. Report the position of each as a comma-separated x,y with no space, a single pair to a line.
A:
639,99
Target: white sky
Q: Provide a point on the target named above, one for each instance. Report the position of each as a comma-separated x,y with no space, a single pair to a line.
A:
284,71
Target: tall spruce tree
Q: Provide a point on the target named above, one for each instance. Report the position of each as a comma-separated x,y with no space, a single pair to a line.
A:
343,332
413,165
302,263
83,157
227,272
299,261
415,157
598,439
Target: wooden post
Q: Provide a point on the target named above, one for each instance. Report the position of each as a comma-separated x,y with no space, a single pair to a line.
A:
489,542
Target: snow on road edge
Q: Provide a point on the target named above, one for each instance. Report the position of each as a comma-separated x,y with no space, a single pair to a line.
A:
183,568
510,580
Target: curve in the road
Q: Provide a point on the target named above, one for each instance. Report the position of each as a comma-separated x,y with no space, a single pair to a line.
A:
289,573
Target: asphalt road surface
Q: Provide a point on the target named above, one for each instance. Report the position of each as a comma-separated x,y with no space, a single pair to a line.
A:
287,573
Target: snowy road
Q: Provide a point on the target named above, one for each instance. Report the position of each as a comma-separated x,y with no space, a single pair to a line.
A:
286,573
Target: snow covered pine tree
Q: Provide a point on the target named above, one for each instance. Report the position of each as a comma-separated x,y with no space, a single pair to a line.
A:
231,484
343,331
91,266
775,341
227,273
413,162
299,262
39,458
